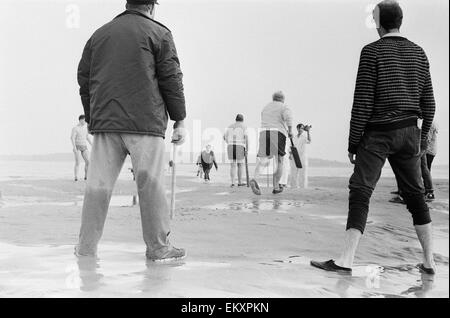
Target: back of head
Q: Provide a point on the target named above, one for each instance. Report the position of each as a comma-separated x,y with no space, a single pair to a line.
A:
278,97
240,118
391,14
141,2
141,5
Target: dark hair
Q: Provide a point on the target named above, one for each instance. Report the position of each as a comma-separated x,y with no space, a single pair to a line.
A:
81,117
142,2
391,14
240,117
300,126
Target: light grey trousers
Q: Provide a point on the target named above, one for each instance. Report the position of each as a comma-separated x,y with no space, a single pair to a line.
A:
109,151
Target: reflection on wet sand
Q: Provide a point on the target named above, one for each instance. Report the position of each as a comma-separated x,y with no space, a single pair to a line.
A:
122,271
345,284
156,277
426,284
90,278
259,205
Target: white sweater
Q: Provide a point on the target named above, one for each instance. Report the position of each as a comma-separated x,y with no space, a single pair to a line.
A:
276,116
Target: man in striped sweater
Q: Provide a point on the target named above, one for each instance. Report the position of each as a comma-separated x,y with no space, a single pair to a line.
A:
393,95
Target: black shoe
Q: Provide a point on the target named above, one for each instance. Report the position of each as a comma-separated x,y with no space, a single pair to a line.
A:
76,179
242,184
424,270
232,185
277,191
331,267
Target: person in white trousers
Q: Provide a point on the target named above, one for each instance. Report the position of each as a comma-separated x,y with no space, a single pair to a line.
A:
299,177
286,169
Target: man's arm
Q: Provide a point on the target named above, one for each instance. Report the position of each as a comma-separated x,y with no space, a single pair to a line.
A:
89,139
288,118
170,79
84,69
246,140
214,160
72,139
308,135
364,97
225,135
427,103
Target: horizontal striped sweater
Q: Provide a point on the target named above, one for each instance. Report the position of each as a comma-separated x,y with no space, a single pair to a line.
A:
393,88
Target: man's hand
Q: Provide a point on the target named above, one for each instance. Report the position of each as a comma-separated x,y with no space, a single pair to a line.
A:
290,134
179,133
423,146
352,158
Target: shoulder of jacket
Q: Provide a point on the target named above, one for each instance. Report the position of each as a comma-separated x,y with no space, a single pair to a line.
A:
418,47
161,25
152,21
371,47
286,107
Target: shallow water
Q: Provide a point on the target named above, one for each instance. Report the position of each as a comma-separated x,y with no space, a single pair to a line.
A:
258,206
122,271
116,200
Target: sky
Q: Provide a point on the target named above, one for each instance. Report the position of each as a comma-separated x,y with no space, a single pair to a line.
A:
234,55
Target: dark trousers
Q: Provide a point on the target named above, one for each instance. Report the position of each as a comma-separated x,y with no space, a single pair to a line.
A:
206,169
430,159
402,147
426,175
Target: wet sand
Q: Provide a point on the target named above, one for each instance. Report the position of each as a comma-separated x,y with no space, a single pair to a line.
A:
239,245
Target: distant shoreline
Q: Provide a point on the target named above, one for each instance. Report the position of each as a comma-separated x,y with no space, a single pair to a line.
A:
65,157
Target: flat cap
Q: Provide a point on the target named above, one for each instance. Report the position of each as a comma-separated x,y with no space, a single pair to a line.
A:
142,1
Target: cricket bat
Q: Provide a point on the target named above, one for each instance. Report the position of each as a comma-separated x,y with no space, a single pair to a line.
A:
296,156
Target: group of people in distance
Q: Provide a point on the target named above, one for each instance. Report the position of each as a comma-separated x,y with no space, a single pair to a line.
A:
276,128
393,111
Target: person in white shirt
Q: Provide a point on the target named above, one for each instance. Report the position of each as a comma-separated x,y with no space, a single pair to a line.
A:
237,140
299,177
276,123
80,139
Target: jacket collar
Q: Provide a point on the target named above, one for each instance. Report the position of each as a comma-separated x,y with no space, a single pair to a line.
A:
133,12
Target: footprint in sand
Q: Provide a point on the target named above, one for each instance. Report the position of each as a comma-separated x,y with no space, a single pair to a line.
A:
294,259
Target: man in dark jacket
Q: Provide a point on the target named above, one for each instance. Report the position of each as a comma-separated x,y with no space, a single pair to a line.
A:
393,91
130,84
